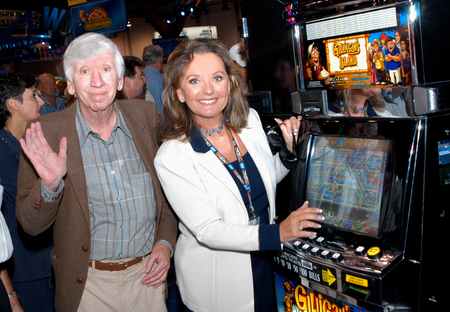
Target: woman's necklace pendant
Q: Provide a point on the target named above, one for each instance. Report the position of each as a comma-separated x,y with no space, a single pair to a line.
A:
210,132
359,110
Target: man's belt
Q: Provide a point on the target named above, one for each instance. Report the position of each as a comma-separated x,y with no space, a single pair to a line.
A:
115,266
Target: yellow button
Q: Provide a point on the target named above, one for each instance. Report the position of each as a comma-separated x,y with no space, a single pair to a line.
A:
374,252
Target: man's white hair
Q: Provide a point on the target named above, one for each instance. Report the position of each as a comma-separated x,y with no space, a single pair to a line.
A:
90,45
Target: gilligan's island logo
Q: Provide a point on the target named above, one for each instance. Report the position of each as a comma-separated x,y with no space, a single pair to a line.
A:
344,54
302,299
97,18
347,53
309,301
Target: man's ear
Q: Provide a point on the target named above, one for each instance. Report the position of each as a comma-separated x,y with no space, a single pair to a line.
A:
70,87
126,81
120,85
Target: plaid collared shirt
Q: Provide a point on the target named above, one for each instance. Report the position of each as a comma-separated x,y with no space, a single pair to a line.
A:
120,193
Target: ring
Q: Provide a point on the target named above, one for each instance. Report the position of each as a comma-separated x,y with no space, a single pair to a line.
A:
165,276
300,227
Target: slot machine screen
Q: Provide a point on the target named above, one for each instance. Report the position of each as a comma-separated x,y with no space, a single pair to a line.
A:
365,50
345,178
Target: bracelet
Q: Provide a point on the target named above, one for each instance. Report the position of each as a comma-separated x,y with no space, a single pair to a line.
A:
12,294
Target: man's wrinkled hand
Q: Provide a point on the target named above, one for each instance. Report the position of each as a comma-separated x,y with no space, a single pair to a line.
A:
158,266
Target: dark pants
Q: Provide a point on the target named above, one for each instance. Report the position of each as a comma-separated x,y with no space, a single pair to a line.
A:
173,301
37,296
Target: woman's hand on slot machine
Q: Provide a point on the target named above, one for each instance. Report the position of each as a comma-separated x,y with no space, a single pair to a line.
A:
304,217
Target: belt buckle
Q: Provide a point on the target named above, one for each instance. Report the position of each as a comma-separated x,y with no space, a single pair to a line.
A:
123,262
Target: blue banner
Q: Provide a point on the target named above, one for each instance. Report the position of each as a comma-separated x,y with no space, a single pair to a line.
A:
105,17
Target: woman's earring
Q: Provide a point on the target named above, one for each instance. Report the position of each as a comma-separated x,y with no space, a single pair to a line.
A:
182,101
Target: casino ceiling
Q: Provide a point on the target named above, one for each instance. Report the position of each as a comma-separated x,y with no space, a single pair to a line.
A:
155,12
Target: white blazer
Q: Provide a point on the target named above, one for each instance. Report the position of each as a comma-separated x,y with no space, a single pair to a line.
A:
212,256
6,247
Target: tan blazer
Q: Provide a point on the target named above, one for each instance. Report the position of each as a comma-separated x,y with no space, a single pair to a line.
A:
69,215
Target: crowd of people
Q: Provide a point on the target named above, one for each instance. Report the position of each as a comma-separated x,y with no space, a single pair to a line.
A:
127,174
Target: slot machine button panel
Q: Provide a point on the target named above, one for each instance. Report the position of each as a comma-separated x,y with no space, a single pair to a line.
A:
337,257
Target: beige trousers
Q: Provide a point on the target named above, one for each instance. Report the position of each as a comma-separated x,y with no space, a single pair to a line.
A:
121,291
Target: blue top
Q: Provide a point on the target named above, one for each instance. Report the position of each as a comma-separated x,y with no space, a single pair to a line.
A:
155,84
48,108
392,65
31,256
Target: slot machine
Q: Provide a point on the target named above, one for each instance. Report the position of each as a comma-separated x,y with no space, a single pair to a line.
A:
381,180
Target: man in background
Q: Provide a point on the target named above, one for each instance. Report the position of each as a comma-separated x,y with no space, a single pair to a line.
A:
134,79
62,85
48,90
238,55
153,59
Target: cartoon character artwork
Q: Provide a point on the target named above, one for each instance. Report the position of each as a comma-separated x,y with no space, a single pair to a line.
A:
398,44
309,75
378,59
318,70
288,296
397,40
406,59
384,49
82,18
383,40
372,69
393,60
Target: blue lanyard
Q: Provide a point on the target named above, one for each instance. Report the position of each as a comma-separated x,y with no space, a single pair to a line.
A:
244,178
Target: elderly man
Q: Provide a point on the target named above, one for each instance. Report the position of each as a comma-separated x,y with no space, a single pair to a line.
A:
88,170
134,80
48,90
153,59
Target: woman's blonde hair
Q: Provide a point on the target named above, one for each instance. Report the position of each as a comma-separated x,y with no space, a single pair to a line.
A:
177,118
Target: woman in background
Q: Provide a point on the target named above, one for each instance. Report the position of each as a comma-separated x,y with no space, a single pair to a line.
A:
365,102
220,177
27,276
